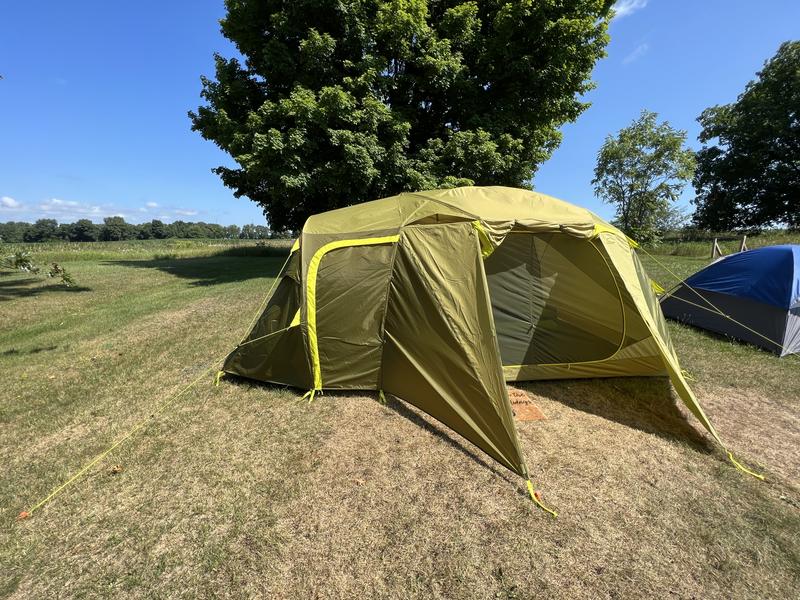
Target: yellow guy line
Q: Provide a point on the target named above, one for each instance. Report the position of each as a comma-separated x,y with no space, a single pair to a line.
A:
736,463
535,497
724,315
707,301
163,406
159,409
311,295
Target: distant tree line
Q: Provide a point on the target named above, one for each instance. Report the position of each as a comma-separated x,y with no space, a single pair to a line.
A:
117,229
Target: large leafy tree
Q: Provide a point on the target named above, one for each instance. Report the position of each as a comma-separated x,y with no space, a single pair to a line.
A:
43,230
749,173
341,101
115,229
642,171
84,230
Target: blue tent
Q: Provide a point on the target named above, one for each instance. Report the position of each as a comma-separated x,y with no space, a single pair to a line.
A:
758,290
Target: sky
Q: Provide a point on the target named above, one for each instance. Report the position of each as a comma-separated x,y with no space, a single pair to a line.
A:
94,97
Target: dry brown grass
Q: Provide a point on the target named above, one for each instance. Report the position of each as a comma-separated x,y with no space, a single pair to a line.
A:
399,507
765,428
246,491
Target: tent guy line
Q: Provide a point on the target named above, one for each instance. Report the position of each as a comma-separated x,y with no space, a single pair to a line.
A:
762,286
717,311
161,407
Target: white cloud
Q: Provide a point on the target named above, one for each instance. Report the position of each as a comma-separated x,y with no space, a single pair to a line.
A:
637,53
623,8
9,202
68,211
58,204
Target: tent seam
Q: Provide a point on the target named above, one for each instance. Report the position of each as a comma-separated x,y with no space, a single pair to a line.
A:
386,306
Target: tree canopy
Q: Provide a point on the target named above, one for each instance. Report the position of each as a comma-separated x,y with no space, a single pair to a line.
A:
338,102
642,170
748,176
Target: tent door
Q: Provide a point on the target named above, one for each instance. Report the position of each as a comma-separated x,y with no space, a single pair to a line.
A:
554,299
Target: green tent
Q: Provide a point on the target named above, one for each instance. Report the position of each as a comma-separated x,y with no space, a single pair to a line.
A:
440,297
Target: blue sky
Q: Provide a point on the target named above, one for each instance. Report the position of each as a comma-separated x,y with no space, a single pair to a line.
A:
94,97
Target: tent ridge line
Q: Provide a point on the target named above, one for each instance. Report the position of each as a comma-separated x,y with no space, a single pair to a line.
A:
443,203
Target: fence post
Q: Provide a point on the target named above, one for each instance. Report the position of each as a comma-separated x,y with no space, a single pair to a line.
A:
716,251
743,247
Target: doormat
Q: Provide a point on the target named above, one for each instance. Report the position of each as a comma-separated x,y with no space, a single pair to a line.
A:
523,407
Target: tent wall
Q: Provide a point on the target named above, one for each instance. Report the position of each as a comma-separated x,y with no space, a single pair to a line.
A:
691,306
561,312
791,341
554,300
441,352
343,262
275,348
278,358
350,308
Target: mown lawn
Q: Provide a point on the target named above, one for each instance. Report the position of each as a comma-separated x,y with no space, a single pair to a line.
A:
244,490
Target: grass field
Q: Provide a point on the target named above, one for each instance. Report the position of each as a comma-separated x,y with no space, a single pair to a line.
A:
244,490
686,245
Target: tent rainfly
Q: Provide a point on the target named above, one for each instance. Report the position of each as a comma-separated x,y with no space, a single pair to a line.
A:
440,297
753,296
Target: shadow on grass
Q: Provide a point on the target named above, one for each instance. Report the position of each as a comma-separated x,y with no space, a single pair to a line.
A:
644,403
37,350
400,407
30,287
445,434
225,267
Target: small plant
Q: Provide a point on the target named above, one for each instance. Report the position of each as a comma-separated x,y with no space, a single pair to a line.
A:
22,261
19,261
56,270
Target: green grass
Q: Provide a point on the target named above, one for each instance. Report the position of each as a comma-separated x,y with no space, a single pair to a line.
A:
728,242
147,249
244,490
